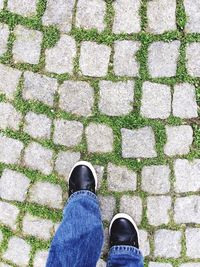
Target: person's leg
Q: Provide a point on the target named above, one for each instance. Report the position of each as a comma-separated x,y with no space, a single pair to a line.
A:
124,245
79,239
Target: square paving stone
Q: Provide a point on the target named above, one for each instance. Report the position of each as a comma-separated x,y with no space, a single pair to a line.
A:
179,140
116,98
107,206
40,258
187,210
94,59
26,8
127,18
47,194
67,133
161,16
132,206
138,143
8,215
125,62
37,125
39,87
159,264
9,79
65,161
76,97
193,59
9,117
156,101
120,178
167,244
162,59
99,138
144,243
38,158
90,14
60,58
190,264
187,174
4,34
59,13
13,185
37,227
158,209
156,179
184,101
192,242
18,251
100,172
192,9
27,46
10,150
1,4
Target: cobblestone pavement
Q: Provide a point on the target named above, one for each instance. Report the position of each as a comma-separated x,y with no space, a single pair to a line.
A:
116,83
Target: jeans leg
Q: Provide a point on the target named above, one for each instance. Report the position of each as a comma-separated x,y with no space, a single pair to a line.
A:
79,239
125,256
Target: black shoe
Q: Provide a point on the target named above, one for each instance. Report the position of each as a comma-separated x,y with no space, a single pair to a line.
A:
123,231
82,177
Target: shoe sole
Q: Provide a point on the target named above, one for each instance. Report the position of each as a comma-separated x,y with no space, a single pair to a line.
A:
129,218
89,165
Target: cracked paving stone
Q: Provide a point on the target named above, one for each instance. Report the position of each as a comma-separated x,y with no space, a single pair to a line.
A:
4,34
192,241
8,215
159,264
59,13
60,58
162,59
90,14
116,98
40,258
132,206
138,143
27,45
9,117
94,59
26,8
193,59
76,97
120,178
144,243
179,140
13,185
107,205
192,9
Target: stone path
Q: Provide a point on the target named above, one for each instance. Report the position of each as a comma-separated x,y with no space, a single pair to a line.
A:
112,82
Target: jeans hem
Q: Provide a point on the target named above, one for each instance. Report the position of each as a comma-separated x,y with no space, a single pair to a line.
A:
83,193
123,249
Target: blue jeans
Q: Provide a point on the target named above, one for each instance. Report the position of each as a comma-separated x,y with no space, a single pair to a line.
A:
79,238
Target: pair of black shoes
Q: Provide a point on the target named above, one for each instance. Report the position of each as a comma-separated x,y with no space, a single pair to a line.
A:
122,230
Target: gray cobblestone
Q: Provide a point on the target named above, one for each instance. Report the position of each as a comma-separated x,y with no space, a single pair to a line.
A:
26,8
144,242
76,97
10,150
193,59
27,46
156,101
59,13
167,244
1,4
67,133
158,209
18,251
187,210
132,206
9,79
94,59
40,258
39,158
161,16
39,87
4,34
100,172
101,263
120,178
107,205
125,63
155,179
60,58
159,264
162,59
192,10
138,143
184,101
13,185
116,98
99,138
8,215
90,14
37,125
127,19
190,264
192,241
47,194
9,117
179,140
2,264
